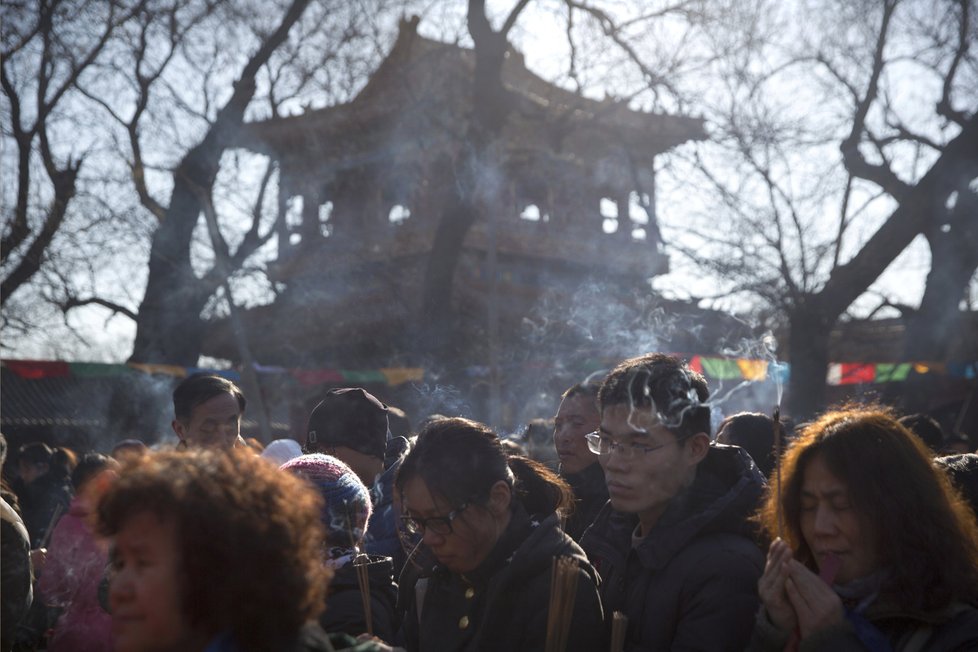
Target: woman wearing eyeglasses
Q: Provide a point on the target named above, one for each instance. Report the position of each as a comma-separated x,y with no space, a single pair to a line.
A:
491,524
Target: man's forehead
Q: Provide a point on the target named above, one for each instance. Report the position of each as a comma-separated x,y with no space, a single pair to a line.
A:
623,419
579,404
220,405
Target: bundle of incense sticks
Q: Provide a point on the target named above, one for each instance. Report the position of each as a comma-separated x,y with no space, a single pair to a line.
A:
361,563
619,624
563,590
777,467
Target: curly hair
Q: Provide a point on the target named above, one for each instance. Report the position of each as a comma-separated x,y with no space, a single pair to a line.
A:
249,539
655,380
922,530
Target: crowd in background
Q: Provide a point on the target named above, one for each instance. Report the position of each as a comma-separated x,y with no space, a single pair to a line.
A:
624,523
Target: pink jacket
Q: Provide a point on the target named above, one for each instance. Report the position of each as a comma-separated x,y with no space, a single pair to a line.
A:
74,568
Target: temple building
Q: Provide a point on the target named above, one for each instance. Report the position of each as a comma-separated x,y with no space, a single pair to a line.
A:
364,184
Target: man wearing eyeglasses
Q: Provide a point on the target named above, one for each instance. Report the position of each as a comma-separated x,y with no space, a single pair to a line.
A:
673,545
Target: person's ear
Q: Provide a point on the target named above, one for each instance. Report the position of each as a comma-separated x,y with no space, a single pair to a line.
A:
698,446
179,428
500,497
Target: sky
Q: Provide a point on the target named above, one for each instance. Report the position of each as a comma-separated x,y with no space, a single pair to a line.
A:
539,34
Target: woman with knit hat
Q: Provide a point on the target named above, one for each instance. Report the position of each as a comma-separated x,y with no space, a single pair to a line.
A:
346,511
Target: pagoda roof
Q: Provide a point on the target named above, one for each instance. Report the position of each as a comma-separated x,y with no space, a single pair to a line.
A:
422,92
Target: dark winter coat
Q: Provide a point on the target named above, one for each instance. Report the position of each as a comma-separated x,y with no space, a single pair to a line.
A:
344,604
590,495
503,604
40,502
382,530
691,584
15,569
952,629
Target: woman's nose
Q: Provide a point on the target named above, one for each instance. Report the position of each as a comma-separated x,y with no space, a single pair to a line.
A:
120,588
824,520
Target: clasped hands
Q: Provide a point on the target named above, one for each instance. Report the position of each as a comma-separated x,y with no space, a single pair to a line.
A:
794,596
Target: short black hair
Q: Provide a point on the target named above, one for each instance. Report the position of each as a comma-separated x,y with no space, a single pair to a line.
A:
199,388
90,465
925,427
754,432
587,388
35,452
678,394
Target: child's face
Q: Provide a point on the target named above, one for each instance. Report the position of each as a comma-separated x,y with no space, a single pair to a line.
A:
144,593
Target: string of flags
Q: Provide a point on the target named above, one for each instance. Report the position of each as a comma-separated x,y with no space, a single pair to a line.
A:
37,369
712,367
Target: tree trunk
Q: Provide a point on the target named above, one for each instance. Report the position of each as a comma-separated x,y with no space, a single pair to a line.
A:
808,352
954,258
437,315
168,325
811,323
169,328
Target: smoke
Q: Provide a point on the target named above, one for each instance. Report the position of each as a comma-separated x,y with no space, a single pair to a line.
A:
601,322
763,349
440,399
576,331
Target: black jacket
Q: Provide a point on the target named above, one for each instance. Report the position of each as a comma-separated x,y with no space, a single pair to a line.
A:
503,604
344,604
40,502
16,573
383,537
590,495
691,584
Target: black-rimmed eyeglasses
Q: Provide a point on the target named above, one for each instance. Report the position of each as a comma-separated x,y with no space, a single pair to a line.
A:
437,524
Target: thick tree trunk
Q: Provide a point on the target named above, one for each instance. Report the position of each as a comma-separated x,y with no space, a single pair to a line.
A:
491,107
169,328
812,322
453,225
954,258
808,351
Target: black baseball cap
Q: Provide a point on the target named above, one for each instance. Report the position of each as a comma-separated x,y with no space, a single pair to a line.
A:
351,417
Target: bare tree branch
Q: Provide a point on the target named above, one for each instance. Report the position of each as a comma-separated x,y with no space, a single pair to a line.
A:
944,107
72,302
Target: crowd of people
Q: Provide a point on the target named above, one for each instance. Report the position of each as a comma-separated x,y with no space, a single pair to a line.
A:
639,529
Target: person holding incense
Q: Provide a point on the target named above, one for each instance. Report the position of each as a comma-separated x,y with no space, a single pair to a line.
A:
215,551
878,551
503,575
673,546
362,593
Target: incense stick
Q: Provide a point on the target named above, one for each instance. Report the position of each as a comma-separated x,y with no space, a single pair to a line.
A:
619,625
55,515
563,590
363,578
777,467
